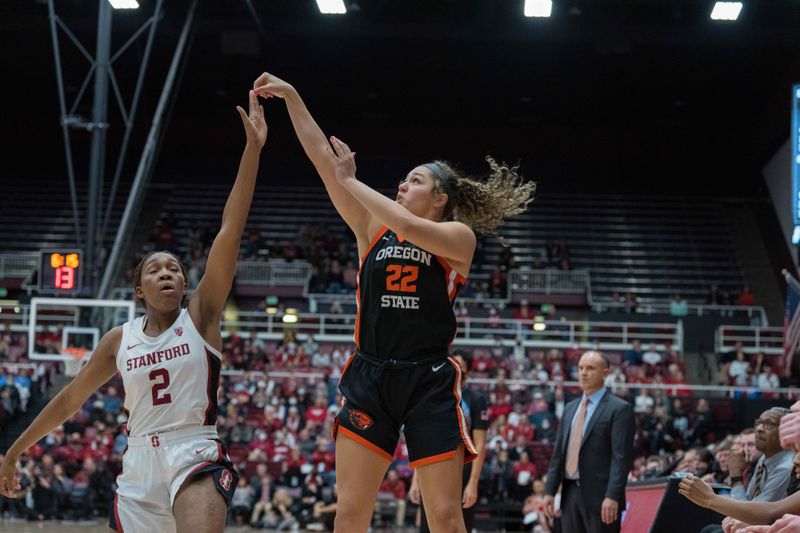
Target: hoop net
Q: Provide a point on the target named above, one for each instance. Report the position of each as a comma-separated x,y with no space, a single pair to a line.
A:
75,361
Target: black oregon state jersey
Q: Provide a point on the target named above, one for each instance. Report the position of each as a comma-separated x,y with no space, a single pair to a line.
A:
405,301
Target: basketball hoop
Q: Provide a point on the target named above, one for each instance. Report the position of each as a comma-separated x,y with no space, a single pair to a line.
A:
77,356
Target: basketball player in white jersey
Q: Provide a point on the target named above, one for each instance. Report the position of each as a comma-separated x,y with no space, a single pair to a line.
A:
176,475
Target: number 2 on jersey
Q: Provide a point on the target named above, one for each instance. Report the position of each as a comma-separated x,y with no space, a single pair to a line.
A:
159,399
406,275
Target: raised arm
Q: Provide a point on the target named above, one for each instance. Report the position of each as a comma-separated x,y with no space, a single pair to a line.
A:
756,513
316,145
206,305
102,365
452,240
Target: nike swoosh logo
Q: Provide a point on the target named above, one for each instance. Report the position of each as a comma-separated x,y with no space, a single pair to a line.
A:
134,345
436,368
198,452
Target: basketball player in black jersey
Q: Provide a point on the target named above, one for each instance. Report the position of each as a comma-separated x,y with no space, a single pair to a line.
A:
415,254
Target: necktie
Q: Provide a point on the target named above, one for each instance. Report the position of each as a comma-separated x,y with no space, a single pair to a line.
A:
759,479
575,437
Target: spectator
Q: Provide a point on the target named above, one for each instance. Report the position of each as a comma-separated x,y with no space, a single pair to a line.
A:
524,472
739,371
713,295
262,495
324,512
654,467
631,302
652,358
746,297
501,470
768,379
241,503
678,306
533,509
392,493
524,311
280,515
643,401
633,355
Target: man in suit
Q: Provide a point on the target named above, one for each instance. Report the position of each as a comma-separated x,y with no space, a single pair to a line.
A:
593,454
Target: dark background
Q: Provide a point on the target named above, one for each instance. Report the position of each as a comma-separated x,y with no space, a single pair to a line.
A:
606,95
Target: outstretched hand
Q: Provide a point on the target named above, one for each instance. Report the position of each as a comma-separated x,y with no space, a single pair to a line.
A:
255,126
344,160
696,490
268,86
9,479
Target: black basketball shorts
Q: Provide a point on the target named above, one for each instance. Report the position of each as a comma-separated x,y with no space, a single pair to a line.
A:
423,400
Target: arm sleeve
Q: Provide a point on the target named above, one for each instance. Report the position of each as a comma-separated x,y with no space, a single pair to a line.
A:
739,492
556,466
622,430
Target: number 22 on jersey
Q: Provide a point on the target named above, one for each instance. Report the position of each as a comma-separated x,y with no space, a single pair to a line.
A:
401,278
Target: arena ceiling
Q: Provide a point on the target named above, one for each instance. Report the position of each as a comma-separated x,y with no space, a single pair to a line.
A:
607,93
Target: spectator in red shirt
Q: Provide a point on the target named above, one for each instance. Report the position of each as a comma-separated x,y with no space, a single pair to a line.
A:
525,429
317,412
676,377
524,472
745,297
524,311
261,448
482,362
392,492
323,458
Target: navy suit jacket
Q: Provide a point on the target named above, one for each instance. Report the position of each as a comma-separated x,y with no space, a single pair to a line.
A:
606,452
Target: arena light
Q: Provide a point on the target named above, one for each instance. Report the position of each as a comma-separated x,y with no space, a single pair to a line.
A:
289,319
538,323
538,8
124,4
331,7
726,10
272,310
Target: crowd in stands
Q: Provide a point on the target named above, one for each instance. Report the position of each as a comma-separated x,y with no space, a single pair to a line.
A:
277,404
17,382
738,368
334,261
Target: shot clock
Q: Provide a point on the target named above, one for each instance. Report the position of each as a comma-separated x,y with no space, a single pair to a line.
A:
60,271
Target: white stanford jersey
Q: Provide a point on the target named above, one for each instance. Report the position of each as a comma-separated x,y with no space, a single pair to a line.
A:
170,381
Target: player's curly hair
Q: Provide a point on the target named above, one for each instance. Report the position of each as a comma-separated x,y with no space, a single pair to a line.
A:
137,273
484,205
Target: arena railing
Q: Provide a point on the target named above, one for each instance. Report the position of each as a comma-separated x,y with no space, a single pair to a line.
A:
19,265
754,339
481,331
677,389
273,273
683,390
549,281
471,331
756,313
348,300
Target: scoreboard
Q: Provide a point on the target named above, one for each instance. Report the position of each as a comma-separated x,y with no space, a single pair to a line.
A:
60,271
